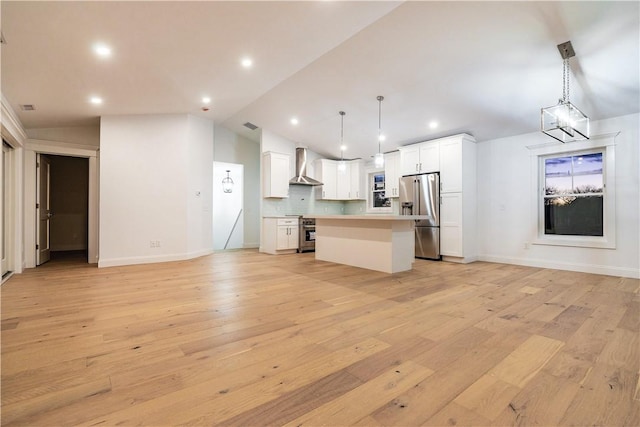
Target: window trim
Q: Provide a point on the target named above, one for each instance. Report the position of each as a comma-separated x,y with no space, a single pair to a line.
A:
370,208
604,144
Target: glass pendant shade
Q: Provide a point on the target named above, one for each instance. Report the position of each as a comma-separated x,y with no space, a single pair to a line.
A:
342,166
378,160
227,184
564,122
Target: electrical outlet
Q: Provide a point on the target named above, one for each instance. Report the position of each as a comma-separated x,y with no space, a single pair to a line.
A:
157,243
152,243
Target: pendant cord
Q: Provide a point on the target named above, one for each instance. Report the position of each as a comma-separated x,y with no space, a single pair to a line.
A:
565,81
342,113
380,98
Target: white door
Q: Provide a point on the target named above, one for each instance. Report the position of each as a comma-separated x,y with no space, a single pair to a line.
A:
43,209
6,214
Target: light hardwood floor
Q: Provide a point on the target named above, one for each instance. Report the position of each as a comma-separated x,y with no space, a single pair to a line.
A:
248,339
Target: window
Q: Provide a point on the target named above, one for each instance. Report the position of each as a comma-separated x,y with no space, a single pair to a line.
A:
574,194
376,200
574,191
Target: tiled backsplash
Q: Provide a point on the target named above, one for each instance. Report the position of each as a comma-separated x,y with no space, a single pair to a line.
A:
301,200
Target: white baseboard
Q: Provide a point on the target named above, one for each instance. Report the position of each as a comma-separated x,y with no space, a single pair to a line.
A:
114,262
557,265
251,245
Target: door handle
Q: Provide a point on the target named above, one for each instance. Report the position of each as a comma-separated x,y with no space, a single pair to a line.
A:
49,214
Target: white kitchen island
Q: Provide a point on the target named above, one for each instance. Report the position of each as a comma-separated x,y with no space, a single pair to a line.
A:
377,242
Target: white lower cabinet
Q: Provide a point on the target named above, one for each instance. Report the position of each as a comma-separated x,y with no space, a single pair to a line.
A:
451,224
279,235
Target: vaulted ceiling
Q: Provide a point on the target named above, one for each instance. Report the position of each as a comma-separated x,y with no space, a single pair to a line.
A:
485,68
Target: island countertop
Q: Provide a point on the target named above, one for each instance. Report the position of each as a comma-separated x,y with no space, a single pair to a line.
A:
379,217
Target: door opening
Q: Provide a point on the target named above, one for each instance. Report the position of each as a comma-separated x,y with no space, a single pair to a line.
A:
228,204
62,207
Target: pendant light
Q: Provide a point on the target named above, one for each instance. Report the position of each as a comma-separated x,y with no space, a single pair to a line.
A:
227,183
378,159
564,121
342,166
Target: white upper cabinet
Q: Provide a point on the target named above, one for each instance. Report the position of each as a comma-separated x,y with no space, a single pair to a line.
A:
343,181
337,184
391,174
420,158
451,165
326,172
430,157
356,174
275,175
409,159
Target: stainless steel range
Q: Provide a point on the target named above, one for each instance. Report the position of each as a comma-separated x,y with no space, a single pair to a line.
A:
306,234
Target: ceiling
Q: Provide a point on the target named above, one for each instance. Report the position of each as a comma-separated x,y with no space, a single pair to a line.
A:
485,68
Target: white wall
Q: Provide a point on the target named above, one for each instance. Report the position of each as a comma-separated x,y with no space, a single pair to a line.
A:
83,135
200,135
150,167
232,148
506,219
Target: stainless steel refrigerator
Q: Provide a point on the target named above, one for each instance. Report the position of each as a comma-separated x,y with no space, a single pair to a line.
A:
420,195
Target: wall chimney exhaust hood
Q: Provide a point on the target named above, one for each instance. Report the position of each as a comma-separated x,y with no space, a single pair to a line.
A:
301,177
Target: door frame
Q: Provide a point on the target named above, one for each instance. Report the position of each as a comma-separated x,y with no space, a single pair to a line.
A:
34,147
14,134
43,208
8,214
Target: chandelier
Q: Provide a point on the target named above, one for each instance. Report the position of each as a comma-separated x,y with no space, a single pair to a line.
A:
564,121
227,183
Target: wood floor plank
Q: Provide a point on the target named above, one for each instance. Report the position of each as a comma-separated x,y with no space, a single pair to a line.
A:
370,396
606,399
456,415
244,338
488,396
298,402
524,362
544,402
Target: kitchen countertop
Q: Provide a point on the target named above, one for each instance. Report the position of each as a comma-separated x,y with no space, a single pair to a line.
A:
379,217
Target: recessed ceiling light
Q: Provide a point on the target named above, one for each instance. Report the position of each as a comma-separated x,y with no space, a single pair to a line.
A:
206,100
102,50
433,124
381,138
246,62
343,147
294,121
95,100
